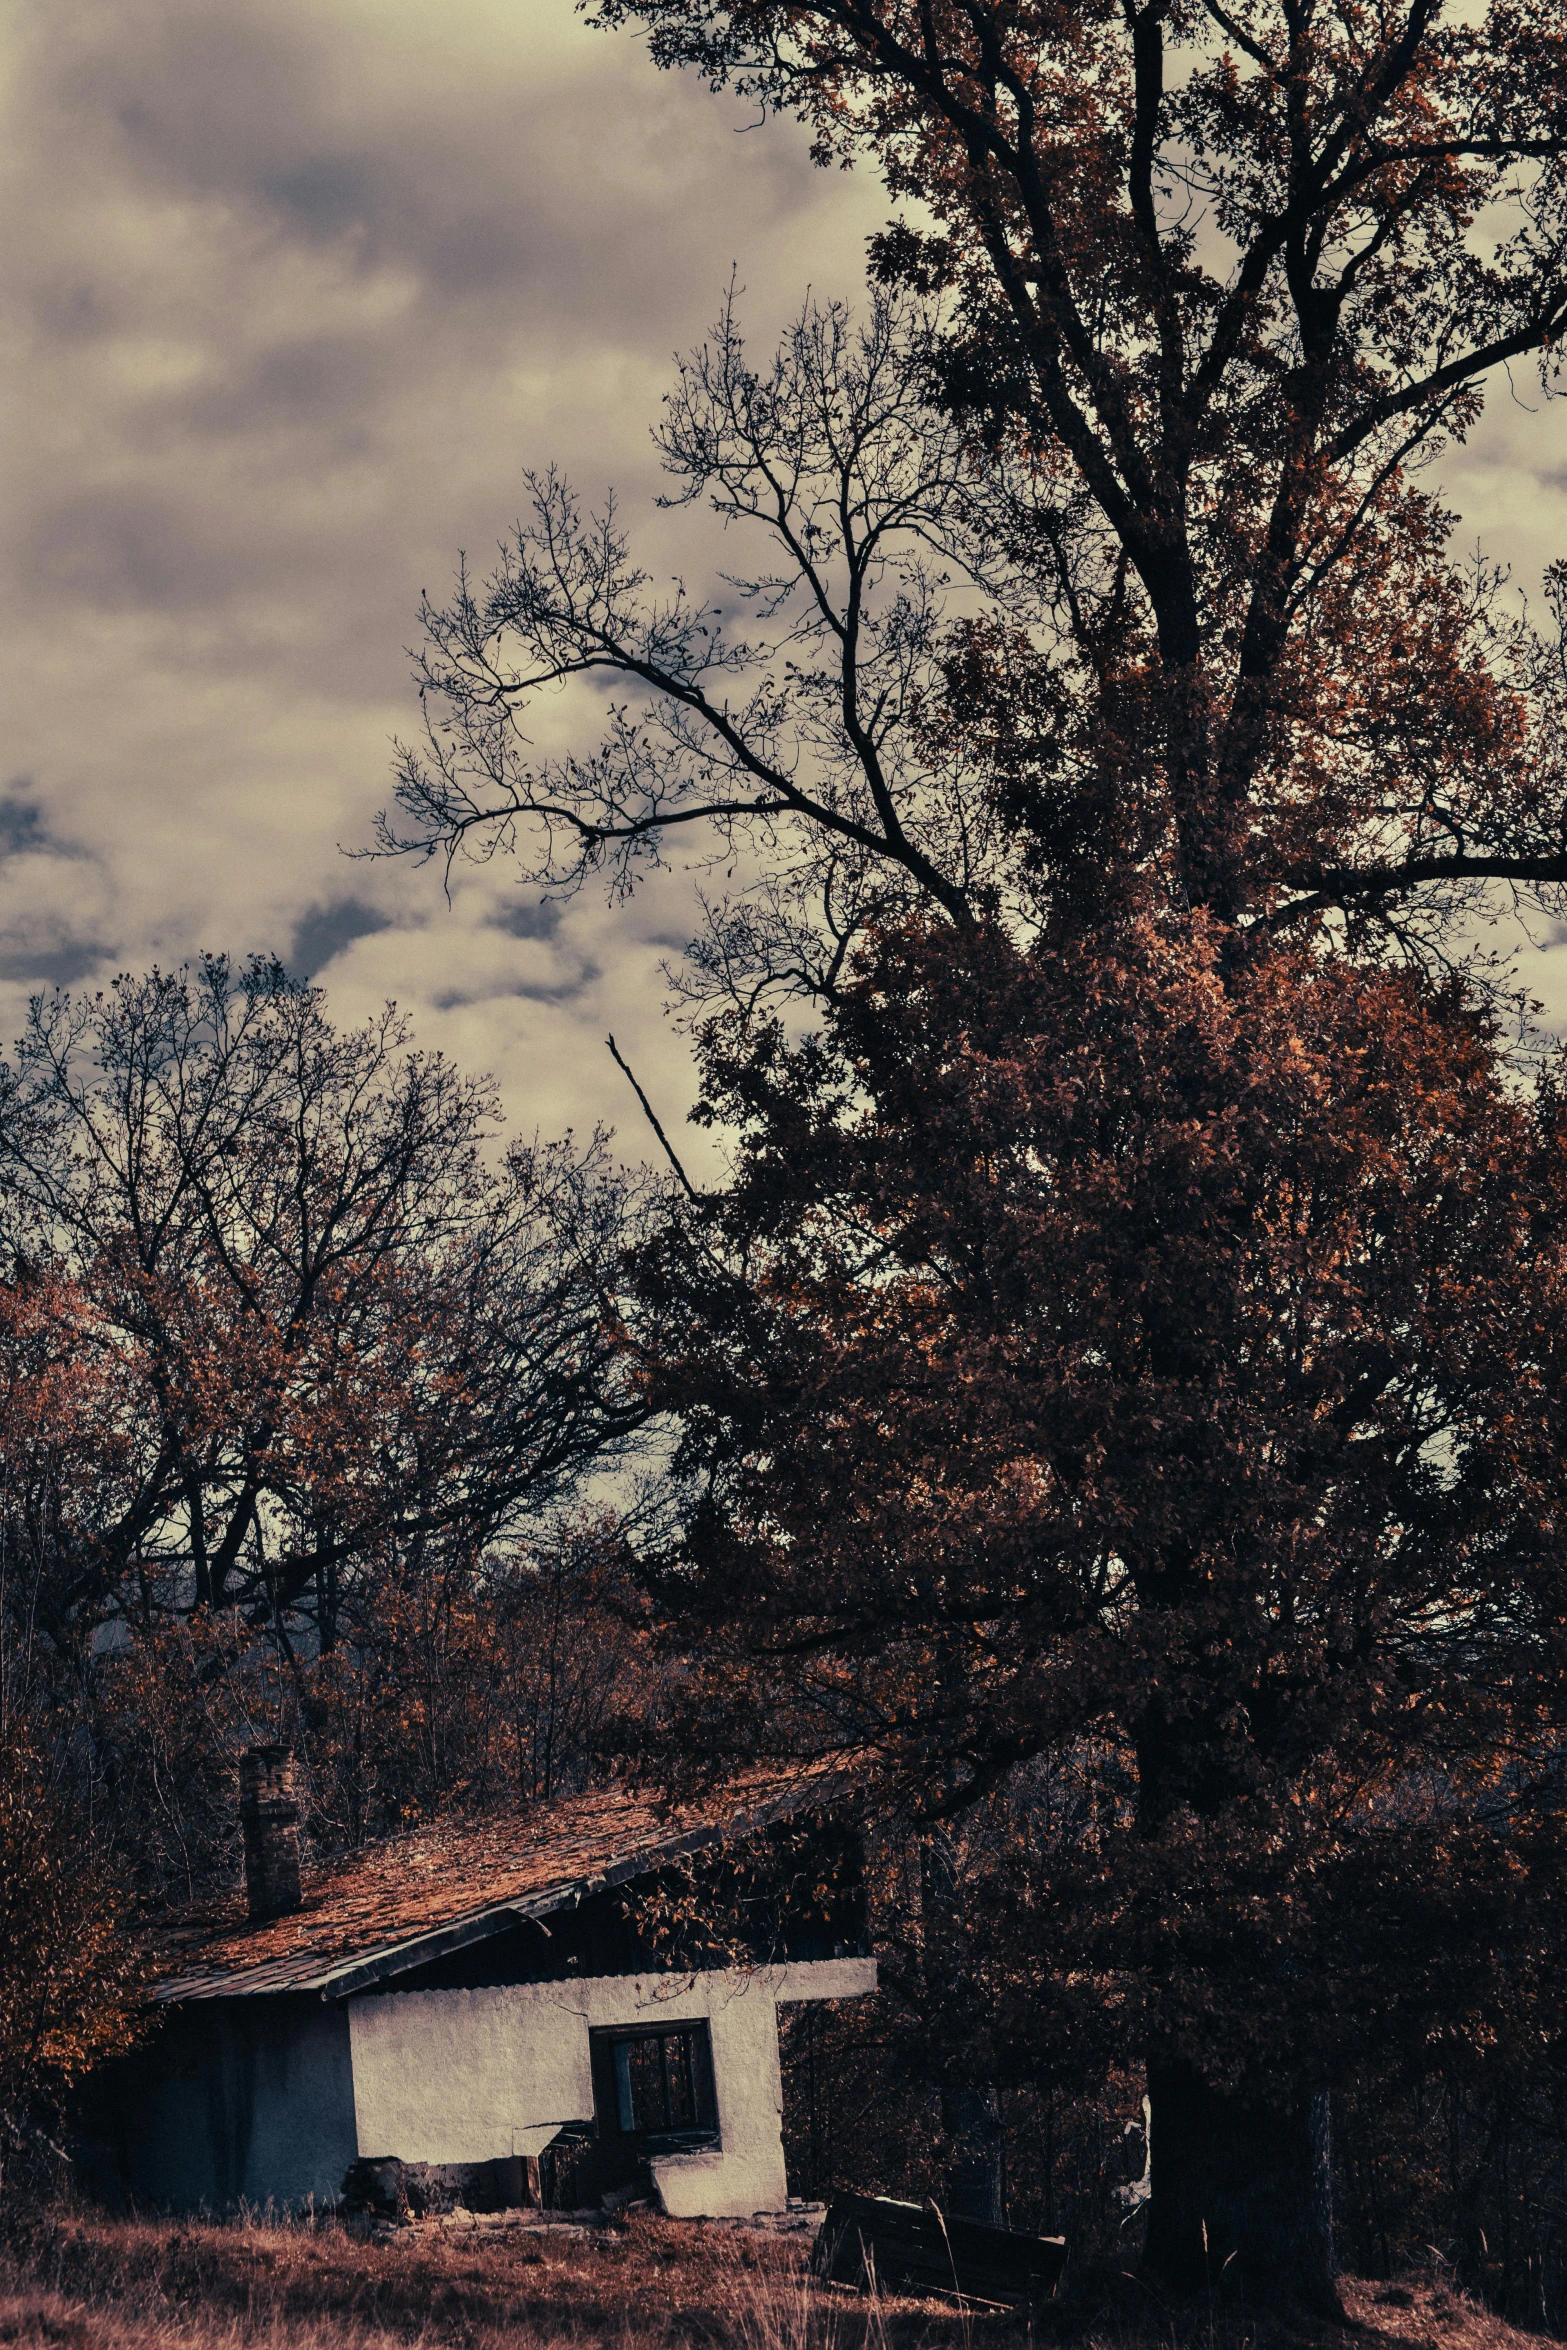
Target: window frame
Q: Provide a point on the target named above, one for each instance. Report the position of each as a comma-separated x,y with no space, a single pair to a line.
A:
613,2091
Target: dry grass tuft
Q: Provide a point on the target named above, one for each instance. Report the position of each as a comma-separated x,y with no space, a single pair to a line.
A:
1426,2314
87,2283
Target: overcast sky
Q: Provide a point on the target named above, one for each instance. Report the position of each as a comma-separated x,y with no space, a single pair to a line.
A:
296,290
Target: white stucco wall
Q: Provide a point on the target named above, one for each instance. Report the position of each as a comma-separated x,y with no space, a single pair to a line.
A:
466,2076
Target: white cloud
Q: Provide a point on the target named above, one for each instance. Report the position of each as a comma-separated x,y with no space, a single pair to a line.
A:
296,289
298,292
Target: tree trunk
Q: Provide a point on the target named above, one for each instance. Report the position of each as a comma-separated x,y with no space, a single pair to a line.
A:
976,2175
1241,2200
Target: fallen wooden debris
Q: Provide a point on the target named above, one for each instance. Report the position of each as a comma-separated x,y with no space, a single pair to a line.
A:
533,2223
869,2240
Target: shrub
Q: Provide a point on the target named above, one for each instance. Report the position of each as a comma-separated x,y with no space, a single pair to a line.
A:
70,1976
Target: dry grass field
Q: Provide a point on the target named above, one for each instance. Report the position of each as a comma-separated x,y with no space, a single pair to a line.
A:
73,2282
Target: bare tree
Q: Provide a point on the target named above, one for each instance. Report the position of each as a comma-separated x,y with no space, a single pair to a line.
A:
329,1324
781,722
937,681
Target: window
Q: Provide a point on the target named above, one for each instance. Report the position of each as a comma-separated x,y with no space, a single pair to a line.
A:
654,2083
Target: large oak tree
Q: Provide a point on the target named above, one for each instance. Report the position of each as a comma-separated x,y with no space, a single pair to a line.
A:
1104,733
1108,1366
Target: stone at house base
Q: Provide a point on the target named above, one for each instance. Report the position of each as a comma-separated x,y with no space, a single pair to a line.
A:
378,2205
798,2219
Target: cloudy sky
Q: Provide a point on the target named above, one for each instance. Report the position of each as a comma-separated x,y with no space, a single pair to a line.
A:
296,290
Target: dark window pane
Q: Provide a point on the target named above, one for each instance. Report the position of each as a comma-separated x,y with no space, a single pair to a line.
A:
647,2084
679,2101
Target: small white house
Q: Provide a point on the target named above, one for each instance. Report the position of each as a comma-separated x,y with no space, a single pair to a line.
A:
461,1996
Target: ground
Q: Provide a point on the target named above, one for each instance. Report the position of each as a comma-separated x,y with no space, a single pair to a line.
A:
95,2284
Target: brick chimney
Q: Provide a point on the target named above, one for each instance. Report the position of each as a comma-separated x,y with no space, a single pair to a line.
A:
270,1818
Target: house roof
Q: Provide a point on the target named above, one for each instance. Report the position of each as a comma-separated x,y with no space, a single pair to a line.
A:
418,1896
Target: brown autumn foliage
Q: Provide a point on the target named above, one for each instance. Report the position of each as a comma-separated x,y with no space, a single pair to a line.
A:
341,1329
297,1377
71,1974
69,1968
458,1685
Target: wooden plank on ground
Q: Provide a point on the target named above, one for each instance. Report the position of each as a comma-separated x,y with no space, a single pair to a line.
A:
914,2247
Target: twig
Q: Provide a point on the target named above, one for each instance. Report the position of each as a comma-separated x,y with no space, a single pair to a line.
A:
687,1185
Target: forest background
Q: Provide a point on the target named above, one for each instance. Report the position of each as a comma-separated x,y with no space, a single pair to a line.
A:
318,1379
